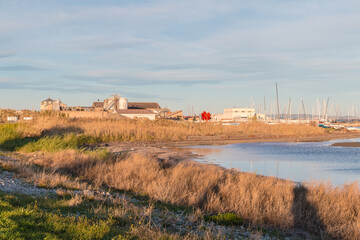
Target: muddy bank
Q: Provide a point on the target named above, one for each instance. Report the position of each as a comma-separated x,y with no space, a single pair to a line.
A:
222,140
346,144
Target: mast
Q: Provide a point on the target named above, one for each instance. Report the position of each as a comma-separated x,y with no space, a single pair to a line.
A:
302,101
317,108
264,108
277,101
327,104
289,109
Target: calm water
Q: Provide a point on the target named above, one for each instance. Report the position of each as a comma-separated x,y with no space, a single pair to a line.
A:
310,161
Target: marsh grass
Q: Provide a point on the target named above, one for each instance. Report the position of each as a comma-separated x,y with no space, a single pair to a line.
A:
51,134
320,208
217,193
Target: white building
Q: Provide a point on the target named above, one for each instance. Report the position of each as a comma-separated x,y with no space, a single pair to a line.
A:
12,119
137,113
52,105
235,115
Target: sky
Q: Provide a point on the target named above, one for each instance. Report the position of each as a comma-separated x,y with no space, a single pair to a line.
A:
188,54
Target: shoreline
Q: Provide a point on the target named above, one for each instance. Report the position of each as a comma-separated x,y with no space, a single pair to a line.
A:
175,152
287,195
224,140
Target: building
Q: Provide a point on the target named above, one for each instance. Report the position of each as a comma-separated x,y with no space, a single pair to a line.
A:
114,106
98,106
137,113
115,102
174,115
79,108
12,119
52,105
235,115
144,105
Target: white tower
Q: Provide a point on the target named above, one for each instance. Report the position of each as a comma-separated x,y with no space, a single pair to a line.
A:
123,103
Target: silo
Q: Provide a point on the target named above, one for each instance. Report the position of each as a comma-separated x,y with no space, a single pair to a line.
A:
123,103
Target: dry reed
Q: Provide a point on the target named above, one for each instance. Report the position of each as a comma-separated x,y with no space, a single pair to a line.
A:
322,209
105,130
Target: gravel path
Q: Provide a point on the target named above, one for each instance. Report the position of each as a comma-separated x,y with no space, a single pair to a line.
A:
10,184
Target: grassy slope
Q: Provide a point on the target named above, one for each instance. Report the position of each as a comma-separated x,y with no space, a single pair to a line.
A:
23,217
322,209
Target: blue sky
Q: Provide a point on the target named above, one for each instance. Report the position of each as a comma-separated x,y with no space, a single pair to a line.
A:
206,54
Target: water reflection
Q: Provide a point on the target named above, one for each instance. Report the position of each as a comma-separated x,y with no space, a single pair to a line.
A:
310,161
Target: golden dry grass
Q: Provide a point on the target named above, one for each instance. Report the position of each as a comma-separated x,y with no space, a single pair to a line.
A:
105,130
322,209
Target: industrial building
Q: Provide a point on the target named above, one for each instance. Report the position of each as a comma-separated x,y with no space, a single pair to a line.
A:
110,107
115,102
52,105
235,115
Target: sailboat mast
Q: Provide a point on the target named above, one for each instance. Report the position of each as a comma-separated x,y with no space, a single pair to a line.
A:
277,101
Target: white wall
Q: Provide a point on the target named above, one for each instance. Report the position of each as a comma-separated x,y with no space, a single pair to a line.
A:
132,116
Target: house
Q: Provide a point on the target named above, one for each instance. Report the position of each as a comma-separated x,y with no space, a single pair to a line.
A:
235,115
136,113
52,105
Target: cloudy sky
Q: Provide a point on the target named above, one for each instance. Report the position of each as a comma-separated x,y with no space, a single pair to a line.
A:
204,54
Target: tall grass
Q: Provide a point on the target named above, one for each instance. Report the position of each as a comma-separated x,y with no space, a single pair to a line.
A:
324,210
146,130
10,132
49,133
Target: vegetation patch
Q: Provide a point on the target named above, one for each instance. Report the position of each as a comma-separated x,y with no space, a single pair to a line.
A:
57,143
54,133
225,219
22,218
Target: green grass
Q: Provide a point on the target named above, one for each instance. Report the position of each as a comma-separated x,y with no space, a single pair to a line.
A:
225,219
22,217
58,143
13,139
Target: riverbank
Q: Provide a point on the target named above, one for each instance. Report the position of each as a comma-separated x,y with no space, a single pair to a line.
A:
99,213
167,176
223,140
141,161
346,144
